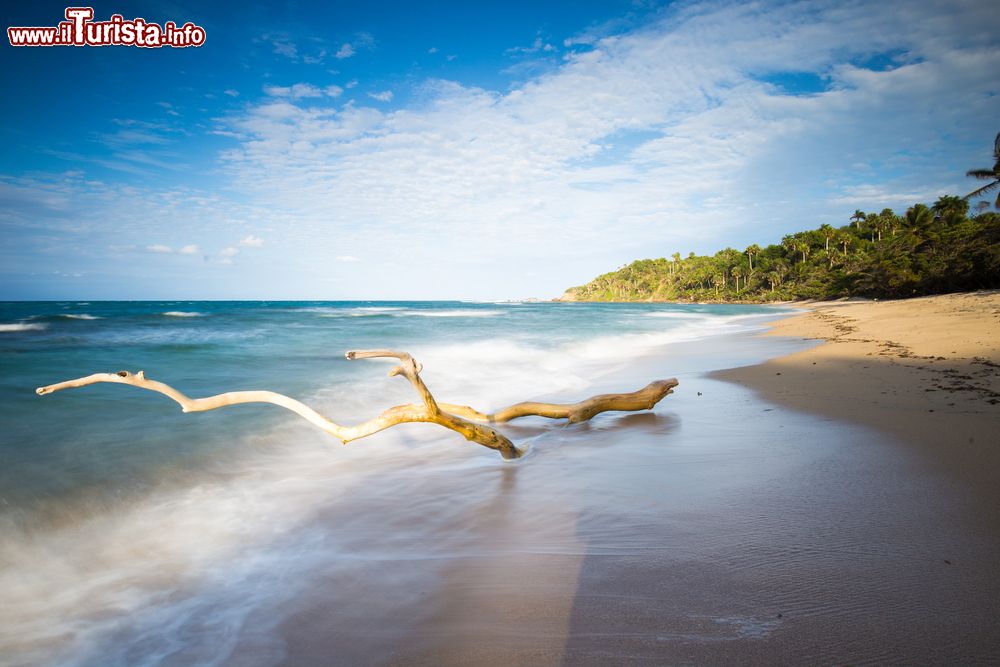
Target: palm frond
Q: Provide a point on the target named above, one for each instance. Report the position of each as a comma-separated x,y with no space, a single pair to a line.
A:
981,173
983,190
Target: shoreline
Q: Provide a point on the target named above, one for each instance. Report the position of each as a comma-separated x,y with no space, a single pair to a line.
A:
719,528
925,371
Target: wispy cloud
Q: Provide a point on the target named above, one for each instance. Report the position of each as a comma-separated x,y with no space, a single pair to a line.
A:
537,46
252,241
298,90
667,137
160,249
301,90
285,47
227,254
361,40
654,140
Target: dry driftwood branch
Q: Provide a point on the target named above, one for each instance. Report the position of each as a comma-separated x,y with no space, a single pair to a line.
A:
474,425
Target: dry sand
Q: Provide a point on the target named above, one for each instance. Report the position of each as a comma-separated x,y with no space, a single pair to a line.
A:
924,370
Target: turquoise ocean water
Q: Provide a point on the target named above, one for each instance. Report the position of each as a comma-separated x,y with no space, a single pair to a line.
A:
135,534
106,437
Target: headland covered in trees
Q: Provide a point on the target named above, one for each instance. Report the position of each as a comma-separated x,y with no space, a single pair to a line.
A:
928,250
933,249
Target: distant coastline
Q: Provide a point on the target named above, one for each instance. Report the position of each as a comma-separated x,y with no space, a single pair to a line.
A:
937,249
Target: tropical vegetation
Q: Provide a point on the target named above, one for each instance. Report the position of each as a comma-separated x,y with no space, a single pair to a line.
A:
928,250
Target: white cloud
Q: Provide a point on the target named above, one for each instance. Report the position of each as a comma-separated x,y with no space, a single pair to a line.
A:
297,91
303,90
252,241
346,258
383,96
227,254
345,51
675,136
158,248
538,46
285,48
670,137
231,92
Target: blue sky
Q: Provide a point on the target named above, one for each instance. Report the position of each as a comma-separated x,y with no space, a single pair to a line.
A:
471,150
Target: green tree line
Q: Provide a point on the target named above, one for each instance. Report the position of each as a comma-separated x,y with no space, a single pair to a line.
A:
928,250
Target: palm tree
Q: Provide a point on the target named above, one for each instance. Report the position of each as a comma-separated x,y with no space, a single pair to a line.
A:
828,233
788,243
752,251
872,220
857,217
803,248
992,175
949,208
844,240
889,219
919,217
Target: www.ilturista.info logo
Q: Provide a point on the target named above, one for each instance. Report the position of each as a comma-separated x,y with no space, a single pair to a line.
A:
79,29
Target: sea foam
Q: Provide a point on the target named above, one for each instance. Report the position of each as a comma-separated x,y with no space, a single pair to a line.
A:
21,326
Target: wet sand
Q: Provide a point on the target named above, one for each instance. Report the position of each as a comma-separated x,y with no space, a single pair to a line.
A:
741,522
730,527
925,371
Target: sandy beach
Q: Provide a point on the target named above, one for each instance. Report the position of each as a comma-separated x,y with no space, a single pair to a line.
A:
836,505
847,518
924,370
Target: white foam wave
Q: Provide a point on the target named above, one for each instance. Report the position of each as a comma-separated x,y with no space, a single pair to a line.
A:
22,326
182,313
365,311
492,373
70,589
82,316
674,315
396,311
456,312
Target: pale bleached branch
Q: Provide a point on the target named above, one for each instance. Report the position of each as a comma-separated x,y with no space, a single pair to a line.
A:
643,399
472,424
